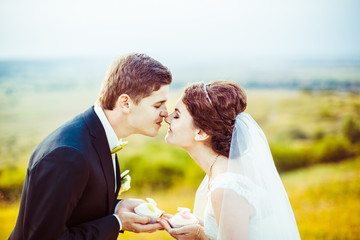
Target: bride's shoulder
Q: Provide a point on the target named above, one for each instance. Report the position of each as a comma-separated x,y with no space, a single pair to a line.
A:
223,177
231,180
230,176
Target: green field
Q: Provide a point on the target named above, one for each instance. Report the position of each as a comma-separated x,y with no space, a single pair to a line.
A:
325,200
319,162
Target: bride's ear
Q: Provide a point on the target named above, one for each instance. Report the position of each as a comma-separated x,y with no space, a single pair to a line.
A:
200,135
124,102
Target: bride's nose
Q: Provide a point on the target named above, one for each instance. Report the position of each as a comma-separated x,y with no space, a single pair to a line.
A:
168,119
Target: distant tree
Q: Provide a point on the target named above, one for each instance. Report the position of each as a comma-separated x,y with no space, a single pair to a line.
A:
296,133
319,134
351,128
331,149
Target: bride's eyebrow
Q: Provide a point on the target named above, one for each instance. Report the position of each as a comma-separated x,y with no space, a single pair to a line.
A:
177,110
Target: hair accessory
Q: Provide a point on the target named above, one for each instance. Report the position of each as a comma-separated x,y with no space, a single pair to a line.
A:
206,93
208,98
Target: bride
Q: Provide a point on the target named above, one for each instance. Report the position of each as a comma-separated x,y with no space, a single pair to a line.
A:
241,196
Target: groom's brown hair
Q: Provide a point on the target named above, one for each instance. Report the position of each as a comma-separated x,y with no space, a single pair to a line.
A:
136,75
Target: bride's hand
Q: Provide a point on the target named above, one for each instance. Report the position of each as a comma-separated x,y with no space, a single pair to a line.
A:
189,232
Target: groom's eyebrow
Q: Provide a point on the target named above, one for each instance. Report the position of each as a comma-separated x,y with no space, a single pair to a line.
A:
161,101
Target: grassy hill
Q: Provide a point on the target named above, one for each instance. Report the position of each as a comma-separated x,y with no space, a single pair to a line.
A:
304,130
325,200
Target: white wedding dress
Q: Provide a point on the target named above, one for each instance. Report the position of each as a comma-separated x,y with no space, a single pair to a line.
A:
252,175
262,218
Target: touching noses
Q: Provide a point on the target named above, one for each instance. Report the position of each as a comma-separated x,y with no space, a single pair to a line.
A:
168,119
164,112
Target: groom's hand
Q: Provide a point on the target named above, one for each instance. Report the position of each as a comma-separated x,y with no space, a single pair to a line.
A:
133,222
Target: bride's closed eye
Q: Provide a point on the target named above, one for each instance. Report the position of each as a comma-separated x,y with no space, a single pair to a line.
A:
172,116
176,113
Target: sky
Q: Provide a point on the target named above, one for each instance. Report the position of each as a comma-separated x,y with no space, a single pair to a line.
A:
201,29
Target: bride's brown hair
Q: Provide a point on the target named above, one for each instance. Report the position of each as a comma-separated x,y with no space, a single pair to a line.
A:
215,114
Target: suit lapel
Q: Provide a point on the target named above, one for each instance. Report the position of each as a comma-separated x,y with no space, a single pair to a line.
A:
101,146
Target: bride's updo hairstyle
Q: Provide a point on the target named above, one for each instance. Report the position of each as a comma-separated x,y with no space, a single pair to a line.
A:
214,107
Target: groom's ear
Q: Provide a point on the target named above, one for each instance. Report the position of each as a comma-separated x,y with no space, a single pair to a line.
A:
123,102
200,135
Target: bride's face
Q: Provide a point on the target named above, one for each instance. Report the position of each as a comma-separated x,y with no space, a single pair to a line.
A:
181,130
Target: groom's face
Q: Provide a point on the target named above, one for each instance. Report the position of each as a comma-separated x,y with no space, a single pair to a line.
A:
146,117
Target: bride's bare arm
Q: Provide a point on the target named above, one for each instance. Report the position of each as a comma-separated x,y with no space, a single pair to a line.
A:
232,213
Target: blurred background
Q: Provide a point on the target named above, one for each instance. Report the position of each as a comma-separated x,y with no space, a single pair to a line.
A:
299,62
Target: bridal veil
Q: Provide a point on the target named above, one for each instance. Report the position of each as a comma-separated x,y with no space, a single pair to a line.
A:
250,157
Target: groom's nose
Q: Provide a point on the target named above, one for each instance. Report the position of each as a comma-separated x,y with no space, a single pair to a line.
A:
164,112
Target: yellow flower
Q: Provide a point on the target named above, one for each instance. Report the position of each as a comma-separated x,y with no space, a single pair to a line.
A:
151,204
118,148
125,182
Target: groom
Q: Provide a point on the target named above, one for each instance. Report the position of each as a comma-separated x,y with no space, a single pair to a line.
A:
73,179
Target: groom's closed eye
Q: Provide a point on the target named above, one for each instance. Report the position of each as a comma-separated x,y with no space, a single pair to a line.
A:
159,104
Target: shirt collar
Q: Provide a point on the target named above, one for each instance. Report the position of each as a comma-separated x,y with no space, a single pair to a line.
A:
109,131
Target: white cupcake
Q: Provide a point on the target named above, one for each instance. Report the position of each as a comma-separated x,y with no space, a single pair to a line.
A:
183,218
150,210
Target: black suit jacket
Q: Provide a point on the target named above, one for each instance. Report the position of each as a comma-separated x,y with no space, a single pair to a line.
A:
69,189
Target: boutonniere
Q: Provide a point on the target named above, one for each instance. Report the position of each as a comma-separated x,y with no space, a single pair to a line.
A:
122,144
125,182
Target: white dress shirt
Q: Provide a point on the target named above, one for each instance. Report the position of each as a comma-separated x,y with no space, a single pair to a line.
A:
113,142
